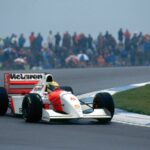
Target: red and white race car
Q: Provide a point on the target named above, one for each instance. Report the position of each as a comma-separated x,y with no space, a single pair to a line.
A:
36,103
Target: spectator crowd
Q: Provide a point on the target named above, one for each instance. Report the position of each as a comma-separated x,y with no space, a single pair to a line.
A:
72,51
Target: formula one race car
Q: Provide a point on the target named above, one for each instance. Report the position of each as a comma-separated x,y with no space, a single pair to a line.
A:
37,103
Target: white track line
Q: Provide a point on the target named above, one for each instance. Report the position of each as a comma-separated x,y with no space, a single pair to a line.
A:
122,116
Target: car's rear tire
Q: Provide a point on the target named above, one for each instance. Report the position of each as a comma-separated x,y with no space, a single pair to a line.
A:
4,101
104,100
67,88
32,108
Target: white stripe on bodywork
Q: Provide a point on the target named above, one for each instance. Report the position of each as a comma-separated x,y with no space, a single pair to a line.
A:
17,101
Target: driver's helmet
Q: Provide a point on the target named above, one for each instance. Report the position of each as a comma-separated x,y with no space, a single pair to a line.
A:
51,86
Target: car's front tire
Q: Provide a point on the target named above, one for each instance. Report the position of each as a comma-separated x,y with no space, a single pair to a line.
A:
32,108
104,100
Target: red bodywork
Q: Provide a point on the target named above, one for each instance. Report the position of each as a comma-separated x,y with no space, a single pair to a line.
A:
9,85
54,98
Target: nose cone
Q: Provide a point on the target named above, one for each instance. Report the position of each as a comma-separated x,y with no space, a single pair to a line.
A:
71,105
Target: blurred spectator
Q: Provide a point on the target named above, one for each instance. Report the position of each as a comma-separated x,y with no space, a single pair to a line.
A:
21,41
32,39
1,43
46,57
82,42
127,34
123,57
120,35
7,42
77,50
14,42
50,39
140,53
110,59
57,39
101,61
147,49
100,43
90,42
38,42
66,41
74,40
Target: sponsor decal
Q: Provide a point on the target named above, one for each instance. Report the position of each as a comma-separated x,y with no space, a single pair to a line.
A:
77,106
22,76
73,98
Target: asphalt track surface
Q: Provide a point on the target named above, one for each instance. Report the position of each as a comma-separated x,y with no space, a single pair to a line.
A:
15,134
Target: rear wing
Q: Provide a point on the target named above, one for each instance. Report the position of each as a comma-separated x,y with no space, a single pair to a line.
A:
18,83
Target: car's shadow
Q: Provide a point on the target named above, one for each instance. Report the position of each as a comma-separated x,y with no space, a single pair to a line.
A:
58,121
55,122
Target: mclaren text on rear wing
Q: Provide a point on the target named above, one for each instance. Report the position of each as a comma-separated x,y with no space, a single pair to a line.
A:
12,80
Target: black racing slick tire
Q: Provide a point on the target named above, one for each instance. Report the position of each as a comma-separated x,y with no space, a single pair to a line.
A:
104,100
4,101
67,88
32,108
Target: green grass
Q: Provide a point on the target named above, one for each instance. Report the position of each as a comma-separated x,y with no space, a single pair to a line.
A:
134,100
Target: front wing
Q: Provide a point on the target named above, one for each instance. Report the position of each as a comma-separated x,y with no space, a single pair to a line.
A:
48,114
